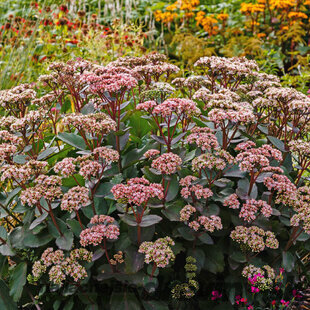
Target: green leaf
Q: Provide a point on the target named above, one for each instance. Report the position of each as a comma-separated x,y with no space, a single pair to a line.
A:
200,256
214,259
34,241
155,305
206,238
186,233
75,227
65,242
6,250
238,257
18,280
38,220
70,182
104,189
288,261
3,233
69,305
47,152
277,143
172,212
149,220
224,306
128,219
6,302
124,301
134,261
73,140
69,290
20,159
173,189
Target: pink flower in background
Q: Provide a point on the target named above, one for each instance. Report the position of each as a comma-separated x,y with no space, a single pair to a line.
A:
254,289
284,303
216,295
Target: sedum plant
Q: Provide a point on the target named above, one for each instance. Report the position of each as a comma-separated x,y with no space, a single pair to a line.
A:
126,186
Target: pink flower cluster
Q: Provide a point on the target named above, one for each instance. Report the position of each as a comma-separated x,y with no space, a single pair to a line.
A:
66,167
254,238
98,123
256,158
178,106
7,151
250,209
217,160
192,83
107,154
21,94
90,168
102,228
232,202
242,115
151,153
147,106
190,189
203,137
159,252
186,213
167,163
302,209
76,198
137,191
61,266
31,120
108,81
286,190
208,223
22,173
259,278
8,137
300,147
240,66
45,186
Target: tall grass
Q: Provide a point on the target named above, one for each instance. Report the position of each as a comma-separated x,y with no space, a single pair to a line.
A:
16,60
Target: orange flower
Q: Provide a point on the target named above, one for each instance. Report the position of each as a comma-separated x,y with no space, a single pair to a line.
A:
282,4
297,15
261,35
250,8
222,16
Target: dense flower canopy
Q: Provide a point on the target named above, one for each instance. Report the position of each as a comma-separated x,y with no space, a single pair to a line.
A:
213,182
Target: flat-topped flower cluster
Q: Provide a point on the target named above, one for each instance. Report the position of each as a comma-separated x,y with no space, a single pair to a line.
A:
219,174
